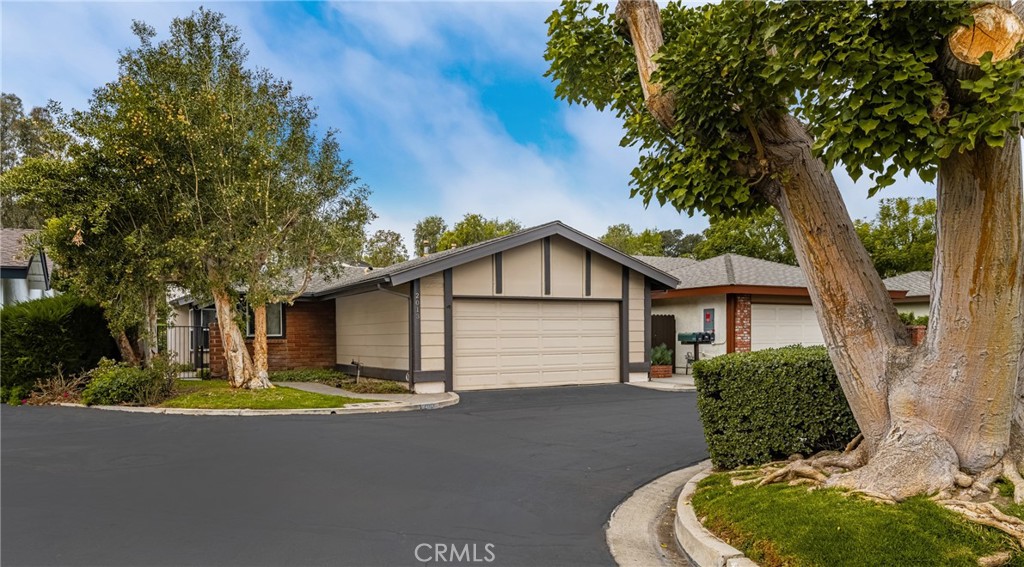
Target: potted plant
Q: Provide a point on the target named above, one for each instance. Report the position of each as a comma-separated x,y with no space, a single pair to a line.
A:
661,362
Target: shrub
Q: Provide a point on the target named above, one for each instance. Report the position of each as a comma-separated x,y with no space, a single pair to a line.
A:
766,405
58,388
911,319
14,394
321,375
41,335
661,355
112,384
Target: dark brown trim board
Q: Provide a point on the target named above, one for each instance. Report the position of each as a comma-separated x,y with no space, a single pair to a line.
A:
624,328
586,277
449,333
639,366
647,322
415,337
730,323
393,374
429,376
498,281
747,289
547,265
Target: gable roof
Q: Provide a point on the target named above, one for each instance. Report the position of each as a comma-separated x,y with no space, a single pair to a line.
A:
404,272
13,253
917,284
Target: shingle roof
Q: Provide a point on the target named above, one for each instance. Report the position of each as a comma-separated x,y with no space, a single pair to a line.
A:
13,253
917,284
667,264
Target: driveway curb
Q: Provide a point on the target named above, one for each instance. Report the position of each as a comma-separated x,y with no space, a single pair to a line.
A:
451,398
663,387
632,534
700,545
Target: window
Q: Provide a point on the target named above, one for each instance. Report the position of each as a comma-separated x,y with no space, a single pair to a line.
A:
275,321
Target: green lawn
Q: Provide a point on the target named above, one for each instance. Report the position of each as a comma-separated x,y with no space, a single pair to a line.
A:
781,525
217,394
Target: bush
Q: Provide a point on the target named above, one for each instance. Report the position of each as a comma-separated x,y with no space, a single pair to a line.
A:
661,355
42,335
14,395
766,405
113,384
911,319
327,376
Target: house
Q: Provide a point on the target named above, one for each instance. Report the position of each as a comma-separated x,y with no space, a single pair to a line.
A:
24,273
545,306
752,304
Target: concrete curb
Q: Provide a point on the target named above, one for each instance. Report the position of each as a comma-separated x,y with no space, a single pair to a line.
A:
664,387
700,545
632,534
451,398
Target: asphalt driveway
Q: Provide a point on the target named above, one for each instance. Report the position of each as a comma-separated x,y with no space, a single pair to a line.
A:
534,473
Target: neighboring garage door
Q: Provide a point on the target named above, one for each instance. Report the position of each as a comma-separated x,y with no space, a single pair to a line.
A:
519,343
773,326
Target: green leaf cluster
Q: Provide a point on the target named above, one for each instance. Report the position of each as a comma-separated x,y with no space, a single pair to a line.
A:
475,228
768,404
760,235
902,236
645,243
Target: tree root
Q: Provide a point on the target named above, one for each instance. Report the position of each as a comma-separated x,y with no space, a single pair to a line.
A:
1011,472
995,560
986,514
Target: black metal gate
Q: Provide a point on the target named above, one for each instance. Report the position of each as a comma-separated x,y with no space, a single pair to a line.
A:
663,331
188,346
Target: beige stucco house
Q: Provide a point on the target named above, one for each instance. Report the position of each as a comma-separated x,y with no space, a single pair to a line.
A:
753,304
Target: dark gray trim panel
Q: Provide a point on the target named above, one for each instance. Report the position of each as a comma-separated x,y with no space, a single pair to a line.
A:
449,333
475,252
624,328
537,297
14,273
414,329
392,374
429,376
639,366
547,265
647,321
497,273
586,276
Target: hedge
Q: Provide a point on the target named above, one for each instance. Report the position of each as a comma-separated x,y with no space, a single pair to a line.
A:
112,383
38,336
766,405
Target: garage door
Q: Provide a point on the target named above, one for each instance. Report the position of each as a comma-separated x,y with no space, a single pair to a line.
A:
773,326
520,343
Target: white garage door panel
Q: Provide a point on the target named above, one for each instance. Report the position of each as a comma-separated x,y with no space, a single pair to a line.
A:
516,343
774,326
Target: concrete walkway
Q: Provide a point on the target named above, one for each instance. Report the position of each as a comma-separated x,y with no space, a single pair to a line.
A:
677,383
318,388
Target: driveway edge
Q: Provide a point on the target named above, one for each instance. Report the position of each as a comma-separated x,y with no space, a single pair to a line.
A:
699,544
632,534
451,398
663,387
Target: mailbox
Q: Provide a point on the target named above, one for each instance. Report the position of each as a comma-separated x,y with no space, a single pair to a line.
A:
697,338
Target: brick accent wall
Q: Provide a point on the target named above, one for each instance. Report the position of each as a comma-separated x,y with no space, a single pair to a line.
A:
742,323
917,334
308,341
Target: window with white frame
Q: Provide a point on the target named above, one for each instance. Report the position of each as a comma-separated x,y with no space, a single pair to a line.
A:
275,321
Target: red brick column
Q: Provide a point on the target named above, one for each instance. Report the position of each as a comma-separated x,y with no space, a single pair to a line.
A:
218,367
742,323
917,334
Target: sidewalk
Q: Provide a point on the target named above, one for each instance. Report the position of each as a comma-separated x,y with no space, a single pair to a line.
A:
677,383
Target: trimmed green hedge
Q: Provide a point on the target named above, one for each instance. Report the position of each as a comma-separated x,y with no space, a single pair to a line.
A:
766,405
37,336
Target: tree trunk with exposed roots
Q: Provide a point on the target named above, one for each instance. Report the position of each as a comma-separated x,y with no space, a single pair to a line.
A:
241,371
941,415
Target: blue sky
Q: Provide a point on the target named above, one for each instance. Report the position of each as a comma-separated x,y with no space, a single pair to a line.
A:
442,106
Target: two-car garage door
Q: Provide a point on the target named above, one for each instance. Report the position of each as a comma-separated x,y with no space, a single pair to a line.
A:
515,343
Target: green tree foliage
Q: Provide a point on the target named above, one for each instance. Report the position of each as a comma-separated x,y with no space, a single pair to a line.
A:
24,136
679,244
759,235
385,248
901,238
427,234
622,238
475,228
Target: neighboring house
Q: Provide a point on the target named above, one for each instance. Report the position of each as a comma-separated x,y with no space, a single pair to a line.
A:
545,306
24,273
753,304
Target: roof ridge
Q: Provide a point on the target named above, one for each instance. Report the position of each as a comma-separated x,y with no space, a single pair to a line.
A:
730,274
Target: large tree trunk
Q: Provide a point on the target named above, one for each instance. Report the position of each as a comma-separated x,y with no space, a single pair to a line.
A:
953,403
241,372
259,348
150,342
124,345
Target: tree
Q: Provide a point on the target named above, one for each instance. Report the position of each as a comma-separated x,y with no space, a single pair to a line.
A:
24,136
622,238
678,244
475,228
901,238
740,106
759,235
385,248
427,234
